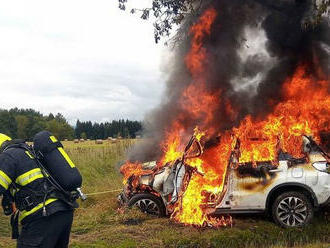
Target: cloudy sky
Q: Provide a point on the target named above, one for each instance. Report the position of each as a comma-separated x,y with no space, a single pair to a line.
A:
84,58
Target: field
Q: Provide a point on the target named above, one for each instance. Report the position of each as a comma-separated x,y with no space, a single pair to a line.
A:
98,223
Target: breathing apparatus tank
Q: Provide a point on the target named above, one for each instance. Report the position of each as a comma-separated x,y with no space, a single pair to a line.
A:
57,162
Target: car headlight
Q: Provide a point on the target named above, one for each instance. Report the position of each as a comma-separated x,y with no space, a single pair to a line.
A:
322,166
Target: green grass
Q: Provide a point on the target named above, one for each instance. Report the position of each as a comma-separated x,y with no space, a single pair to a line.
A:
99,223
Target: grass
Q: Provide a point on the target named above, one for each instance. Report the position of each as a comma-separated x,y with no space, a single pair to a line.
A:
98,222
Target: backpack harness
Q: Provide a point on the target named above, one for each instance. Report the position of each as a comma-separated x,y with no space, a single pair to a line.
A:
26,198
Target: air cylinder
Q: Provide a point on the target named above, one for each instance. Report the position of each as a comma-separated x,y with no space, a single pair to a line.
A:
56,161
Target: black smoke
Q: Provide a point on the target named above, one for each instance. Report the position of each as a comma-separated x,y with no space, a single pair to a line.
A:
288,43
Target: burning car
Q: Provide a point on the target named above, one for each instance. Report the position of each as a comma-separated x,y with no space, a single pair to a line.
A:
260,111
289,190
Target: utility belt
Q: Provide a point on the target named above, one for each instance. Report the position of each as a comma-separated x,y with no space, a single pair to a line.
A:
26,199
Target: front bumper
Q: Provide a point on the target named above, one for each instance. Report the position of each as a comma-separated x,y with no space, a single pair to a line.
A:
122,198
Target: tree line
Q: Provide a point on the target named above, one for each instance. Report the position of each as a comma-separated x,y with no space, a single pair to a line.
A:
25,123
115,129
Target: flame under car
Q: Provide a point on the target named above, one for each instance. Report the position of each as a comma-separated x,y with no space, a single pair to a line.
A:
290,189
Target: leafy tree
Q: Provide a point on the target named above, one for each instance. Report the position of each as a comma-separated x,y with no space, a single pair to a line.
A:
50,117
61,130
37,126
8,123
173,13
22,126
167,13
60,118
83,135
25,123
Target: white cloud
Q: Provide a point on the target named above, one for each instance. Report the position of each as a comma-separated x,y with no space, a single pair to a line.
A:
86,59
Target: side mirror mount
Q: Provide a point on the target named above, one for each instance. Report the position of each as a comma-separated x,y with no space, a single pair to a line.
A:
322,166
306,144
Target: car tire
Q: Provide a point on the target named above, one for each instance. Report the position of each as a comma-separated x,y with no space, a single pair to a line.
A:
148,203
292,209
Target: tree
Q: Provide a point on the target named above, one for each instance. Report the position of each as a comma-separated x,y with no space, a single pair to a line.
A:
50,117
171,13
168,13
22,126
83,135
8,124
38,126
61,130
126,133
78,129
60,118
25,123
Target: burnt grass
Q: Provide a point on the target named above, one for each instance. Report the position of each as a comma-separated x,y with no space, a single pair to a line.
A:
99,223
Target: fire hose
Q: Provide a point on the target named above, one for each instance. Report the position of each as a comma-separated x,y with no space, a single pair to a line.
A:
104,192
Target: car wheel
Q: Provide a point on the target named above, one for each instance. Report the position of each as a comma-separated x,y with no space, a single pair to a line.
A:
148,203
292,209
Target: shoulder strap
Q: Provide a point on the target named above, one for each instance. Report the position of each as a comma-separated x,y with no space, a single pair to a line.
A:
11,144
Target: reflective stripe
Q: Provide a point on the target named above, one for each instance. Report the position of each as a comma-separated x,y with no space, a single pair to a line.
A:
64,154
24,214
29,177
29,154
5,181
52,138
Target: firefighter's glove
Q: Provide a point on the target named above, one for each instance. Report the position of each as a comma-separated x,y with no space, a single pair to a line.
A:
7,205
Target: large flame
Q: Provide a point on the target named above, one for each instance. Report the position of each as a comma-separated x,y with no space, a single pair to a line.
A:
303,109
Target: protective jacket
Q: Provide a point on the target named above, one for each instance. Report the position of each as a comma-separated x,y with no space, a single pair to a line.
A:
30,190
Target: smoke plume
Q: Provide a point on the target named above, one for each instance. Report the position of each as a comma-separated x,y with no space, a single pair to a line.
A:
253,46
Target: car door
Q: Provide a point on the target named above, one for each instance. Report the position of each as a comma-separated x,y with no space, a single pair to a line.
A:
246,187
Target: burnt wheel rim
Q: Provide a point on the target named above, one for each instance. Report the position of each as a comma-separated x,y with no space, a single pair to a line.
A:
292,211
148,206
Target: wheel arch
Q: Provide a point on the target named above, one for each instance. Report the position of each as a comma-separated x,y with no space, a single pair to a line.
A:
150,196
149,192
285,187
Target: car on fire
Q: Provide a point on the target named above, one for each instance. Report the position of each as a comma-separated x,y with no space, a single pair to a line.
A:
290,192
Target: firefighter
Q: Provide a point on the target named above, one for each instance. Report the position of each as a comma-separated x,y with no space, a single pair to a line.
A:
27,196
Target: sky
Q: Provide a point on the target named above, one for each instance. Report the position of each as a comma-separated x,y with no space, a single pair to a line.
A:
83,58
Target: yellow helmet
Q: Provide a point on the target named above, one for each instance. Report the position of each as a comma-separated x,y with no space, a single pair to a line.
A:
3,138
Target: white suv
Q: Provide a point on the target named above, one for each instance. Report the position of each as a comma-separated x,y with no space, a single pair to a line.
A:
290,192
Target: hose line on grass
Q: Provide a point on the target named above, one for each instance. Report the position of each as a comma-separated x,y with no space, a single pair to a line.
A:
104,192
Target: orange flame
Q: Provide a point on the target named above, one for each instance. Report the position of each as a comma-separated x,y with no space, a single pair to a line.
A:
201,105
197,56
305,109
129,169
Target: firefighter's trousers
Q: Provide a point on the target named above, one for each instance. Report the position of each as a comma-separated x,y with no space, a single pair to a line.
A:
47,232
